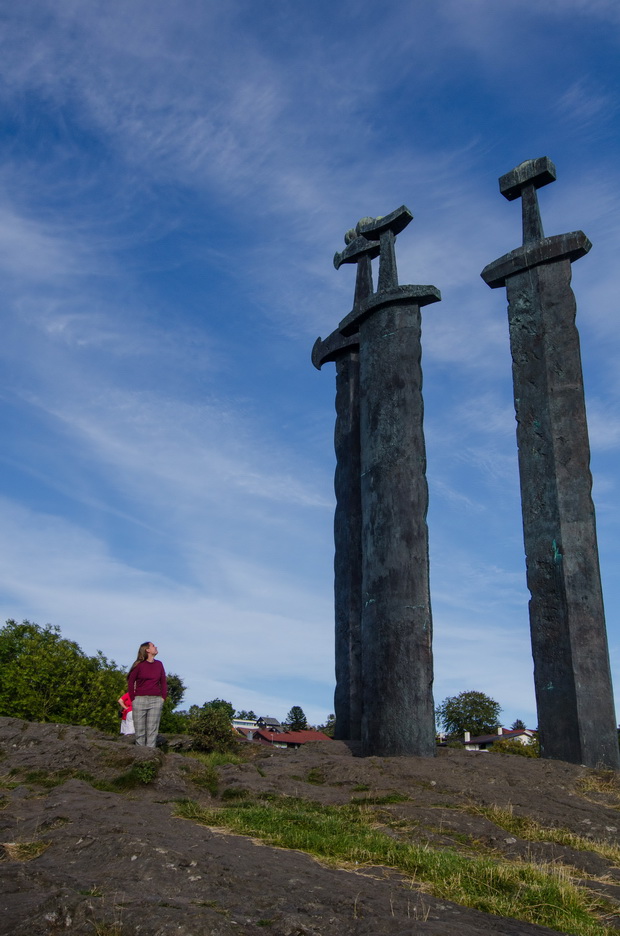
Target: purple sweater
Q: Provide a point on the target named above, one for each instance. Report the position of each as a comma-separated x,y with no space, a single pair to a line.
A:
147,679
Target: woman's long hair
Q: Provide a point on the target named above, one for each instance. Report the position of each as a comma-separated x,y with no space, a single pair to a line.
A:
142,654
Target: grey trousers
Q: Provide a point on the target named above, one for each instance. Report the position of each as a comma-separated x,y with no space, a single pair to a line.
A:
146,715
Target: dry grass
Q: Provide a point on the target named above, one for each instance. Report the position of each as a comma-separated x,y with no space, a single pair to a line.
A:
527,828
604,782
24,851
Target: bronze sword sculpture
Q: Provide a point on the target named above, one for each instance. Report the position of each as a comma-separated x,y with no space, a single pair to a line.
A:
397,715
348,514
569,643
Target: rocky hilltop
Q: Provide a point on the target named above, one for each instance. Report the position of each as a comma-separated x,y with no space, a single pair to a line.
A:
92,841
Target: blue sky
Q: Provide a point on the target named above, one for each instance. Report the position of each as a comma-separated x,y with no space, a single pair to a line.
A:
174,182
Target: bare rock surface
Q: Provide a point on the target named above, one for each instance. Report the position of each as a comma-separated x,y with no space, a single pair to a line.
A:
120,863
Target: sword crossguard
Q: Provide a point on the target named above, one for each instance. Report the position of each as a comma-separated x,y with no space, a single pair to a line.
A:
395,222
386,229
332,347
522,181
356,250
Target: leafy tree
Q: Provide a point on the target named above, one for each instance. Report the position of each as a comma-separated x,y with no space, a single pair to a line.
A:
518,725
47,678
173,722
469,711
227,707
215,705
176,689
247,715
296,719
329,727
210,728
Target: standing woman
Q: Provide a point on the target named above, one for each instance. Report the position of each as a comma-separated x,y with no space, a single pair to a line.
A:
147,687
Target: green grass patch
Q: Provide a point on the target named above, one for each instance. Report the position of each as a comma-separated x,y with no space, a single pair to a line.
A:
346,835
383,800
205,778
138,775
212,905
235,793
48,779
469,843
203,773
215,758
532,831
316,776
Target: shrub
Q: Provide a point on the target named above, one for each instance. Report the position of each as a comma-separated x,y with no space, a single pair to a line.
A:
511,746
210,729
47,678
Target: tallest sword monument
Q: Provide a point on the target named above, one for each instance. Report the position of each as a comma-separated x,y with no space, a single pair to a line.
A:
384,663
569,642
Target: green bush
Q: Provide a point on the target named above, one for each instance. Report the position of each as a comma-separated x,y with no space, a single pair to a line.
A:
47,678
210,729
511,746
141,773
172,722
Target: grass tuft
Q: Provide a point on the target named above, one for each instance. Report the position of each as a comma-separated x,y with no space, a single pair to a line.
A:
24,851
216,758
527,828
205,775
235,793
138,775
212,905
316,776
382,800
606,782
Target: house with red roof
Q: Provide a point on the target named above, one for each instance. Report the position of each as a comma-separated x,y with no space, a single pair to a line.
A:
289,739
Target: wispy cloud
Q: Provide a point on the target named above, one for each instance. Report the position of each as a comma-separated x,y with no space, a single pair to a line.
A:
49,565
585,106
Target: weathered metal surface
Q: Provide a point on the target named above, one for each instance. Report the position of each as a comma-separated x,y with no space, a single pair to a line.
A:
397,662
396,620
348,550
384,665
569,643
344,351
